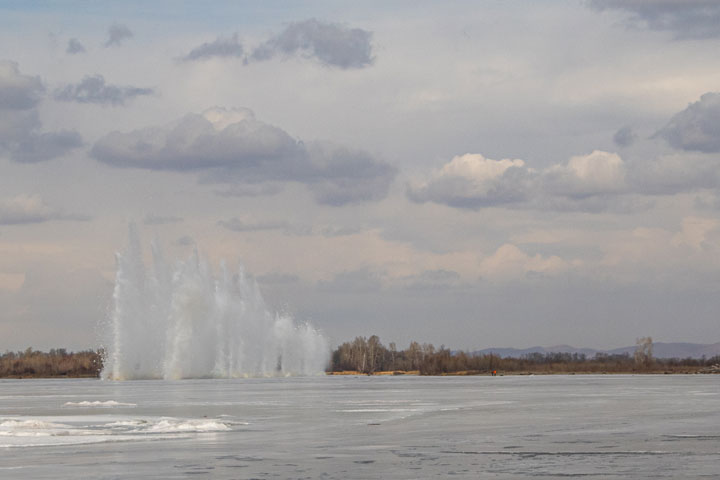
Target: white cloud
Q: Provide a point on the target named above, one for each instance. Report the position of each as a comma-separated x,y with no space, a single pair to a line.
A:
585,182
510,262
695,232
473,181
24,209
586,175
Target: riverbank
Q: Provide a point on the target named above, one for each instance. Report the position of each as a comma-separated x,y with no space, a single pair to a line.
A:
674,371
59,363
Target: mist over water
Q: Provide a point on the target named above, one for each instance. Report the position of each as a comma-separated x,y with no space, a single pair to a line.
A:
185,321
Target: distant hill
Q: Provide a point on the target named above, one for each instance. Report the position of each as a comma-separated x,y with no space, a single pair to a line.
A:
660,350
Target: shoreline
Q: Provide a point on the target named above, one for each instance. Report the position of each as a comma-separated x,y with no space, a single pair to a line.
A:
686,371
417,374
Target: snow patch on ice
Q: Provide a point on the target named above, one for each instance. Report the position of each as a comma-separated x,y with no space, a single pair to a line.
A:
98,403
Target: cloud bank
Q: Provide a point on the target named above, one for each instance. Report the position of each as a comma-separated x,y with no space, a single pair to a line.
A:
233,147
599,181
471,181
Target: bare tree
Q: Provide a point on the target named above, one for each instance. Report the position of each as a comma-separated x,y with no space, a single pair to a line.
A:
643,351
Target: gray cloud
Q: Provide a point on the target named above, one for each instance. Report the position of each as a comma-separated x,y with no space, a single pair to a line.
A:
697,127
74,47
151,219
331,44
233,147
670,174
116,34
93,89
339,175
221,47
685,18
624,137
26,209
20,127
18,91
195,143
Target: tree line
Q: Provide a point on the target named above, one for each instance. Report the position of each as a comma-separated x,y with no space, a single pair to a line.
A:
55,363
369,356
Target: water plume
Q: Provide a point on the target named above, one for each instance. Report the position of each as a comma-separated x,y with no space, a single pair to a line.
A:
186,322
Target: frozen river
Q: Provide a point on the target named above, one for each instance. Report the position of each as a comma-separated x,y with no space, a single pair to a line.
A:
663,426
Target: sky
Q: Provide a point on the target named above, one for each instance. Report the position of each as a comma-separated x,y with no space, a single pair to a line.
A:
473,174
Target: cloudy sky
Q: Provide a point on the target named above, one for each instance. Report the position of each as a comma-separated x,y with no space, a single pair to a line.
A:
472,174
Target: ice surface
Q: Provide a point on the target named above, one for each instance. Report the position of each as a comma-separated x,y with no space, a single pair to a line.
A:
639,427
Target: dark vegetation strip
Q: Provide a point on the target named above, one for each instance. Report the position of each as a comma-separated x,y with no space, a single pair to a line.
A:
370,356
55,363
